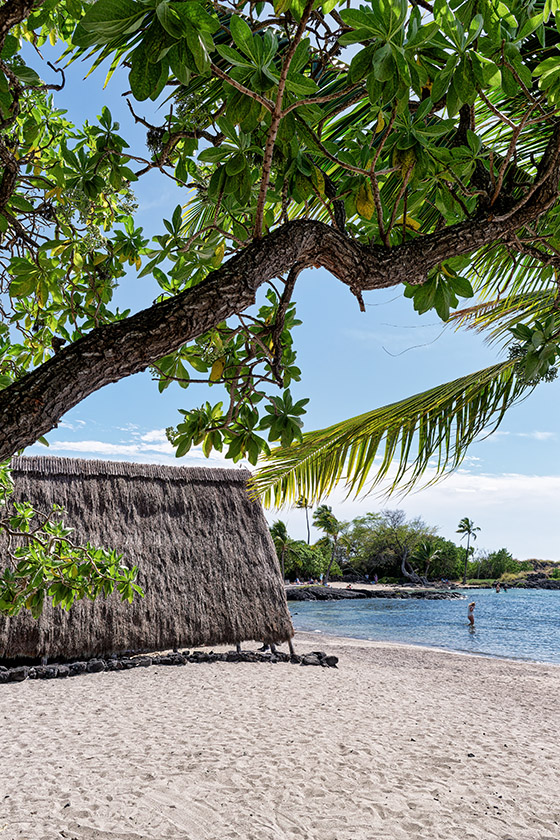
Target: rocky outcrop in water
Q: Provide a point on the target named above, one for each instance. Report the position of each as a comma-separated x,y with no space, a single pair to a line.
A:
536,580
326,593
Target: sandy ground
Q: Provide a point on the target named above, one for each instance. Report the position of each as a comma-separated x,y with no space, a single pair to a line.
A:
399,742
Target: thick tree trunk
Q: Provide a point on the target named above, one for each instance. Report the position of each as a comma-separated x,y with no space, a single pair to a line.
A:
408,572
466,558
32,406
329,567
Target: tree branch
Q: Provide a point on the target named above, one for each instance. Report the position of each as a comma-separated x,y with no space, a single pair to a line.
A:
32,406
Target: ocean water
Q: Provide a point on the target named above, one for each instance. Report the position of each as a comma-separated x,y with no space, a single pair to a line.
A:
515,624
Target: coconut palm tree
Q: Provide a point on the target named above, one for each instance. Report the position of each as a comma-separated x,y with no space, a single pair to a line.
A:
467,528
282,542
302,503
426,552
325,520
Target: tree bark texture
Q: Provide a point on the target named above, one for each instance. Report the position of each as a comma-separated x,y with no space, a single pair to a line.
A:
32,406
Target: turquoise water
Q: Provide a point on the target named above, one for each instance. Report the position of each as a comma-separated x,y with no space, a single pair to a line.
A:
516,624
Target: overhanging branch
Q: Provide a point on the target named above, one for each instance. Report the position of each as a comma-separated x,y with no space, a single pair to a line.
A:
32,406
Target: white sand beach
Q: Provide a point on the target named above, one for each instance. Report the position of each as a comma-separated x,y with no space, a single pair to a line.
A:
398,743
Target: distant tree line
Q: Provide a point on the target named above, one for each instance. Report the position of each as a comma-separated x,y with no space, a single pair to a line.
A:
388,545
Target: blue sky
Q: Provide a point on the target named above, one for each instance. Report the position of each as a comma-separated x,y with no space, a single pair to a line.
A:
351,363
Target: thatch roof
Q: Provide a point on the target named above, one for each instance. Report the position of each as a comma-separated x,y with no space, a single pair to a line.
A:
206,559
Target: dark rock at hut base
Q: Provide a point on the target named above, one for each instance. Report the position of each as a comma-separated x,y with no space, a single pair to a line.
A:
18,674
53,671
198,656
319,657
310,659
46,672
231,656
174,659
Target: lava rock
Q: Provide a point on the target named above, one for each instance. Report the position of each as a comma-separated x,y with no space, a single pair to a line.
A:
231,656
46,672
332,661
94,666
310,659
76,668
18,674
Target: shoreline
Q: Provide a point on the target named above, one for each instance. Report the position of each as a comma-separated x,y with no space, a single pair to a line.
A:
338,640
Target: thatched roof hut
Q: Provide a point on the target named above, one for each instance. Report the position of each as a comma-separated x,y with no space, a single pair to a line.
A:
206,559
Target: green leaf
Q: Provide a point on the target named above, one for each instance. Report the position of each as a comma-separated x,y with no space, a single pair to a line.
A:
144,75
461,286
107,19
242,36
169,19
26,75
196,14
179,64
232,56
22,285
197,47
360,64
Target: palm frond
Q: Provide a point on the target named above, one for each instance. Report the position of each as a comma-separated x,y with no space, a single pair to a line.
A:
495,317
402,437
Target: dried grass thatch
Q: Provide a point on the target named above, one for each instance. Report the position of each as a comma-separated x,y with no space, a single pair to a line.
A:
206,559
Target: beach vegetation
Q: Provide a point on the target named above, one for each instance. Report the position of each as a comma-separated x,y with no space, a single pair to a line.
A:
375,543
300,560
392,145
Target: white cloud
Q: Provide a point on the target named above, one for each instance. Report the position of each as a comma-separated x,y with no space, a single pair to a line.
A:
151,447
538,435
534,435
63,424
157,435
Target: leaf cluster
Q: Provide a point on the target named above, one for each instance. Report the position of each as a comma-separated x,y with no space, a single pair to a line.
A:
45,565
